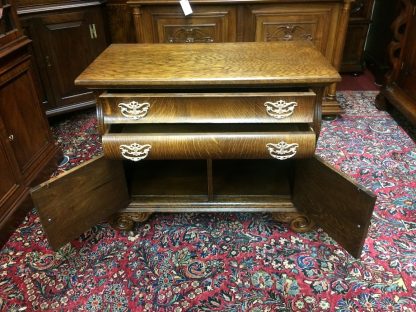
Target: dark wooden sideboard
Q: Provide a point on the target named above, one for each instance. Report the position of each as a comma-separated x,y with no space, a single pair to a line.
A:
28,154
400,87
66,36
208,127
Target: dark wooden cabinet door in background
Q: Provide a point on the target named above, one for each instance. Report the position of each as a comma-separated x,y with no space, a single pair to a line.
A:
65,41
360,19
24,119
27,151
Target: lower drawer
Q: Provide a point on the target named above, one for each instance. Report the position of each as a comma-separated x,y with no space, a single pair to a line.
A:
209,141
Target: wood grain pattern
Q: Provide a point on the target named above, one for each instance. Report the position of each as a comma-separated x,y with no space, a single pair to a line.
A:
207,141
225,64
70,204
335,202
232,107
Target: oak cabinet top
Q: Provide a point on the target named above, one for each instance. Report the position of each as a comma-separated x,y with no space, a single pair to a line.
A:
209,64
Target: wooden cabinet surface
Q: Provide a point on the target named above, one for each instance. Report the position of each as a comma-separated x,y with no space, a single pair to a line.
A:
400,87
66,38
156,21
27,150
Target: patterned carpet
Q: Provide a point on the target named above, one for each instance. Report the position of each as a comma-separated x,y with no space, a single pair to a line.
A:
232,262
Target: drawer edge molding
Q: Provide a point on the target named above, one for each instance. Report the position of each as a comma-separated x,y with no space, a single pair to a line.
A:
134,110
282,150
280,109
135,151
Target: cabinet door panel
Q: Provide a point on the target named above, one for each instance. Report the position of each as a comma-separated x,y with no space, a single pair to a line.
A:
292,22
68,43
9,181
353,52
340,206
206,24
24,120
70,204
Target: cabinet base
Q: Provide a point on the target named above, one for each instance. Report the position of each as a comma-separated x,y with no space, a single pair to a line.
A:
331,107
282,212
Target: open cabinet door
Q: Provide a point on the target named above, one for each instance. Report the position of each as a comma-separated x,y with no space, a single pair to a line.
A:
71,203
334,201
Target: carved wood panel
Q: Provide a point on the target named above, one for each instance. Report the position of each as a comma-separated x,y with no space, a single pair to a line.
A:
272,23
206,24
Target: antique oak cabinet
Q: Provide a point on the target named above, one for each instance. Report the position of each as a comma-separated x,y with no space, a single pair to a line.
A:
208,127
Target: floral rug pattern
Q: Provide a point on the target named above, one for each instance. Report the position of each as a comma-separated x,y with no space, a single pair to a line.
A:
237,261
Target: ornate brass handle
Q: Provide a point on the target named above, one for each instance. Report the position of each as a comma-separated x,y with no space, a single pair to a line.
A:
280,109
282,150
135,151
134,110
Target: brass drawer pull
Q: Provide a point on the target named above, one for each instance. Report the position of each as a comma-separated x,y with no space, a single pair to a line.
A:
280,109
282,150
135,151
134,110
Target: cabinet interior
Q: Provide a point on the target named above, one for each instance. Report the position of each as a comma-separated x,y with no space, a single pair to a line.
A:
210,181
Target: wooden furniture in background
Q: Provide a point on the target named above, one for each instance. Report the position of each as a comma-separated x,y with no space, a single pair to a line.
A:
360,19
27,151
67,36
400,88
324,22
197,138
379,37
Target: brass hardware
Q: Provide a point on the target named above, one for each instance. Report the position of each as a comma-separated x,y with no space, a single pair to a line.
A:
282,150
93,31
11,137
134,110
280,109
135,151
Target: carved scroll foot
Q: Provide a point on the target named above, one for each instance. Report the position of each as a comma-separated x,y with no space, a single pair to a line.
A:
298,222
125,221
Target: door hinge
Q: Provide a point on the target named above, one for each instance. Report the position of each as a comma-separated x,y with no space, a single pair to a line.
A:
93,31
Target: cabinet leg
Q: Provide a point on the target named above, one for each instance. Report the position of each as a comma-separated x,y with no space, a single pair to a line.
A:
124,221
298,222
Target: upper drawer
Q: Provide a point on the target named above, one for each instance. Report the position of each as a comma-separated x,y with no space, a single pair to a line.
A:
270,107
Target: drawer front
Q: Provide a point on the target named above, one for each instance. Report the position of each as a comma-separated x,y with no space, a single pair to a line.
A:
284,107
167,24
209,145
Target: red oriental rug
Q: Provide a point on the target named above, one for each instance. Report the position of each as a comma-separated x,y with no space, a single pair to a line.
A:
236,261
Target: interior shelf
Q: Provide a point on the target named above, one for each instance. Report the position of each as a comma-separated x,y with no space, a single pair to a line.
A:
167,185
